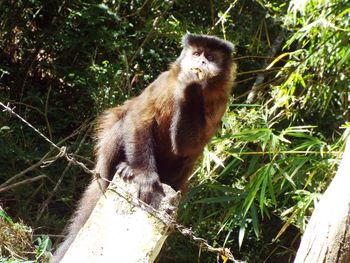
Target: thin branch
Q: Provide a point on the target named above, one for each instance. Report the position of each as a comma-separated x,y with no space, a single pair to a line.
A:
30,168
224,14
155,22
260,71
59,181
46,110
62,150
44,160
261,77
27,181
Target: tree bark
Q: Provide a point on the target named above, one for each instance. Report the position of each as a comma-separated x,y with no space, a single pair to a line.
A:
120,230
327,236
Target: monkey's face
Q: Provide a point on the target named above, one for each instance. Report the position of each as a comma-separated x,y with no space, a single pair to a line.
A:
204,63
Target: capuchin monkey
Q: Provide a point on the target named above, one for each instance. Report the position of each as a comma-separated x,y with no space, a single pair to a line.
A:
157,136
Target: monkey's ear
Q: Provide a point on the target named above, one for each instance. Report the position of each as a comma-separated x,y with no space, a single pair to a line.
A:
187,39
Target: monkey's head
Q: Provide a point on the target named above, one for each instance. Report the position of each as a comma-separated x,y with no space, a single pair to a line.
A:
206,56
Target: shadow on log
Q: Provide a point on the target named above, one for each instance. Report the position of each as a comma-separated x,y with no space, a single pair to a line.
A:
120,229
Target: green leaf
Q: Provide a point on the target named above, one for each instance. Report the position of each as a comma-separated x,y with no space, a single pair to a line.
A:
255,220
5,216
262,194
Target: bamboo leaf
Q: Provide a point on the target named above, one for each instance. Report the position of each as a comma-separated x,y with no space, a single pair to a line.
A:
255,220
276,60
271,190
262,194
241,233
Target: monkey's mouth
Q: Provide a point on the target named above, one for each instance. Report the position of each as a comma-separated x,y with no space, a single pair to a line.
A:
199,72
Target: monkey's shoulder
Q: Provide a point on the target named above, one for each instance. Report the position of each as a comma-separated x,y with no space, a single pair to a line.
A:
159,93
164,83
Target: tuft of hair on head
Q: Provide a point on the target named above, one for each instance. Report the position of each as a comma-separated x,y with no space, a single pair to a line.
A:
207,41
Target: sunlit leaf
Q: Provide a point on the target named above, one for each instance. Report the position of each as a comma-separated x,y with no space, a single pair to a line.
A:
241,234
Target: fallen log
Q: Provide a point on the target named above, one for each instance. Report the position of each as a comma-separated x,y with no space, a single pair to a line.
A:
121,229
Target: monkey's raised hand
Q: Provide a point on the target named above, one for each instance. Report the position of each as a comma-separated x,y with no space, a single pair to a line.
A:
199,72
191,76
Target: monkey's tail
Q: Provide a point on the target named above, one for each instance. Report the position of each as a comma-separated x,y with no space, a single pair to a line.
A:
85,206
109,152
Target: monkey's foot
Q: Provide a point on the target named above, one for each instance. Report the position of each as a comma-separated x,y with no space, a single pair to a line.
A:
148,185
199,72
124,171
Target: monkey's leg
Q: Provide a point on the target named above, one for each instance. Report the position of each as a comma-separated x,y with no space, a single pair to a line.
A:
139,152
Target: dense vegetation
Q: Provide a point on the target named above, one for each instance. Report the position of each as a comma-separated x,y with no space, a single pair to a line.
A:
63,62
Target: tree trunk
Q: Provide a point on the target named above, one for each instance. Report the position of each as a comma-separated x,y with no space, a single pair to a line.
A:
119,230
327,236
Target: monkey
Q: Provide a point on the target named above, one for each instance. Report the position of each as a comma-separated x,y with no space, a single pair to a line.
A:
157,137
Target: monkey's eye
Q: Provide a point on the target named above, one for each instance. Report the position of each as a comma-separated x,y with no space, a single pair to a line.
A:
196,54
210,58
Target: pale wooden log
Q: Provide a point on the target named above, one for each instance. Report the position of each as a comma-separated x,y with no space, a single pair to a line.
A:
120,231
327,236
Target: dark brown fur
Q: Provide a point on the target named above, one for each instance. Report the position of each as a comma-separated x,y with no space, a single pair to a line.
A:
157,136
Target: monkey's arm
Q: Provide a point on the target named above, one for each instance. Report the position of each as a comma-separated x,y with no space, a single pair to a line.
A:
188,121
109,150
140,158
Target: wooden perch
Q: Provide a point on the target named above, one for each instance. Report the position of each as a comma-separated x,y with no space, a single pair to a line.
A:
327,236
120,230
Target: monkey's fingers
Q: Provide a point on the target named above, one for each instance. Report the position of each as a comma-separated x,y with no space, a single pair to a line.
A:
148,195
125,171
145,196
199,72
149,188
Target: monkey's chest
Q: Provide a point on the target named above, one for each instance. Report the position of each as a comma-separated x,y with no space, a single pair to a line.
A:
213,114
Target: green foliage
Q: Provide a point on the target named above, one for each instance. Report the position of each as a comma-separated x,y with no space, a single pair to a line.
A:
16,244
61,63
